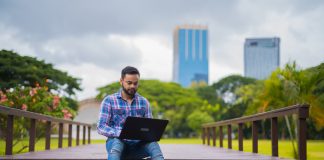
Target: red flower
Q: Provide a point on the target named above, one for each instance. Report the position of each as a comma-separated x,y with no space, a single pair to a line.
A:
24,107
56,101
3,98
32,92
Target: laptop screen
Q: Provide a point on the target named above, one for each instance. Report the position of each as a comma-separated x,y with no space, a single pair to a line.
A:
145,129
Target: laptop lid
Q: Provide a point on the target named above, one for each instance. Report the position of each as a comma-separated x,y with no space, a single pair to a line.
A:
145,129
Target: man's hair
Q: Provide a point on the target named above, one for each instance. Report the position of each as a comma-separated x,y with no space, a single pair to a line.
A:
129,70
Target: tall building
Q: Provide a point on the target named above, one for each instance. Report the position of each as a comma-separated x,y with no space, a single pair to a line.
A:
190,58
261,57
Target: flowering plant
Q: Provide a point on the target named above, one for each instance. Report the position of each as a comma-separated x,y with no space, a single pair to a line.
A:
37,99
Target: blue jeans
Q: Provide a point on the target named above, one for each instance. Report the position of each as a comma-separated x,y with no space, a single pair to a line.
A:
121,149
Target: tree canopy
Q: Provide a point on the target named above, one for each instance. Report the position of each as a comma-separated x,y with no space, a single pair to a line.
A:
16,70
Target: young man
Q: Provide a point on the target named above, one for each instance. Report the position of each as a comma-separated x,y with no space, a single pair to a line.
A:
114,110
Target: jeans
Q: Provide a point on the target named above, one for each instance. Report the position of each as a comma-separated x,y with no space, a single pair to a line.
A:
121,149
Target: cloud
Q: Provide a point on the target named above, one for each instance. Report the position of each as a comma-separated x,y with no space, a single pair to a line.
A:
10,40
95,40
106,51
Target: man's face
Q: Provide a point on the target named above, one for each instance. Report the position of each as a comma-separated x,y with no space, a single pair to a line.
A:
130,84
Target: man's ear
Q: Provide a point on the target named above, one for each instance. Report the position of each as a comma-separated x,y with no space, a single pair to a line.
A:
121,81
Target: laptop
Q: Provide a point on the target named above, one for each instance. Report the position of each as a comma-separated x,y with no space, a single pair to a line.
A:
145,129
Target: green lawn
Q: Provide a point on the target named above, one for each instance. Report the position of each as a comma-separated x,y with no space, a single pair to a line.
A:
315,149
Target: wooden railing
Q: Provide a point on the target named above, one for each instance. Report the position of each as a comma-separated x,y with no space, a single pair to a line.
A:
302,111
11,112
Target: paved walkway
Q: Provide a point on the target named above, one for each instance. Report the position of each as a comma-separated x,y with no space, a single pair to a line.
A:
170,151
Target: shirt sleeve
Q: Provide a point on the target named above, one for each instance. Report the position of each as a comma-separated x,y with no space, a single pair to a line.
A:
148,111
103,127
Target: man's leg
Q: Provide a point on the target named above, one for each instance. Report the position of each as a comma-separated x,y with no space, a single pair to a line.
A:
114,147
153,149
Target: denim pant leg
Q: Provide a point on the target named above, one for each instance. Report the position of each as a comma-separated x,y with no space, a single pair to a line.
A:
153,149
114,147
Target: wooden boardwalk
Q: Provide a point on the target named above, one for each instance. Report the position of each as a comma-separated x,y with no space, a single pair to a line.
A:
170,151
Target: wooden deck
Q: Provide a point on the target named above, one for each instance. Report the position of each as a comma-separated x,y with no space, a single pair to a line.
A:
170,151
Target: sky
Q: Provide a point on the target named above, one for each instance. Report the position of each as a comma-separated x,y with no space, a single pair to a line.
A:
94,40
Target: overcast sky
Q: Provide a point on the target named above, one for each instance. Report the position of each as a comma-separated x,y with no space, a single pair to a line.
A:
94,40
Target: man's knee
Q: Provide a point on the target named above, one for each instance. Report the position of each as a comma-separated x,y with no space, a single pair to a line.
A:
153,148
115,147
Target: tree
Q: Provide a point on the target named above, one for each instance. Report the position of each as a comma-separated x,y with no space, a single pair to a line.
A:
16,70
168,100
197,118
226,90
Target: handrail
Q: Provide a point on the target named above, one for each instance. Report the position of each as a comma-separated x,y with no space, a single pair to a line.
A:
11,112
301,110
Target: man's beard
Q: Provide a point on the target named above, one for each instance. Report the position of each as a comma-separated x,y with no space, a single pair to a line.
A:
130,92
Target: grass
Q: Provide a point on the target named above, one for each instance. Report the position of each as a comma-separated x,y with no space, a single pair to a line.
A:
314,147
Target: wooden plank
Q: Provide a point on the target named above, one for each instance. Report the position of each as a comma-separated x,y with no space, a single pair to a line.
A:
33,115
240,136
302,145
208,136
60,138
295,109
229,136
254,137
70,135
84,135
32,135
78,135
214,135
48,135
274,136
170,151
89,136
221,136
9,135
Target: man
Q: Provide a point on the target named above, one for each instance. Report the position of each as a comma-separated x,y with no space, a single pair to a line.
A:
114,110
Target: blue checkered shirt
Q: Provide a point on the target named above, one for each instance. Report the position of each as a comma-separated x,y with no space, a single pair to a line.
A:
114,110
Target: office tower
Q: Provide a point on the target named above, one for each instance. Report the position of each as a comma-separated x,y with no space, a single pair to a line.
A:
261,57
190,57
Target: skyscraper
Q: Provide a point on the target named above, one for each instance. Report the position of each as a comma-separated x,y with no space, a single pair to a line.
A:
190,57
261,57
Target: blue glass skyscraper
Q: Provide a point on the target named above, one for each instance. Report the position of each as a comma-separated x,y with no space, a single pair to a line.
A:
190,58
261,57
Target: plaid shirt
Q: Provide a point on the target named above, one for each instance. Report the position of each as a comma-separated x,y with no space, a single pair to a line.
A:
114,110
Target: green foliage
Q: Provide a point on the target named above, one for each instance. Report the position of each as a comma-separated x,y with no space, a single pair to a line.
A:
168,100
233,96
196,118
16,70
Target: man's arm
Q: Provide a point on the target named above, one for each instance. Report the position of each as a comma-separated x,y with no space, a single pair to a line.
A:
103,127
148,111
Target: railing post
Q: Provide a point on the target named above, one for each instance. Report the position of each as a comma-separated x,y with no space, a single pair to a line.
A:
9,136
240,136
229,136
32,135
214,135
60,138
89,137
78,135
274,136
84,134
203,135
208,136
254,137
70,136
48,135
302,128
221,136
